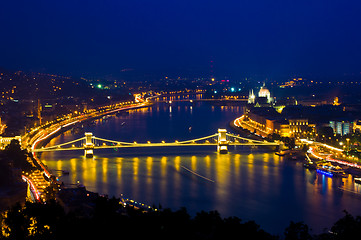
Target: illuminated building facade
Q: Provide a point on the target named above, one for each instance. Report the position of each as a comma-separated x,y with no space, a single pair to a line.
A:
301,127
342,127
265,121
357,126
264,97
265,93
251,97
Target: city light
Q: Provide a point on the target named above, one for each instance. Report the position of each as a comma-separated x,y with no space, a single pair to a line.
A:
214,112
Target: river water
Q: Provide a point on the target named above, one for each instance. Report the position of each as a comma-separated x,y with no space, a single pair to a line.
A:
250,183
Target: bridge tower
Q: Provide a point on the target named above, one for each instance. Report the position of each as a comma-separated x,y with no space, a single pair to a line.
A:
222,141
89,145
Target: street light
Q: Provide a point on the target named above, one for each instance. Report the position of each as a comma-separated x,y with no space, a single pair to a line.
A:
348,144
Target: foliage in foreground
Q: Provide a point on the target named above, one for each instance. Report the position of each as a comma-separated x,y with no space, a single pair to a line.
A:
110,220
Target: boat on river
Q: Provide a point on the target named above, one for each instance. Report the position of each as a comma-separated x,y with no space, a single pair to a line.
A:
330,170
285,152
310,165
280,153
357,180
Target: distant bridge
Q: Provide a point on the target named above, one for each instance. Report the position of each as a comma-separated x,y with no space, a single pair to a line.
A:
203,100
222,140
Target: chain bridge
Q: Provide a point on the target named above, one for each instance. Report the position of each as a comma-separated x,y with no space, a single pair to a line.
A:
221,139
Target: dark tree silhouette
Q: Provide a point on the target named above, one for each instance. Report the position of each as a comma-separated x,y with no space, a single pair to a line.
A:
297,231
16,156
347,227
107,219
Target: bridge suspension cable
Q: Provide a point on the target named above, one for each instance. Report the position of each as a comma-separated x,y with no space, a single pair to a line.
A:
112,141
250,140
63,144
88,144
197,139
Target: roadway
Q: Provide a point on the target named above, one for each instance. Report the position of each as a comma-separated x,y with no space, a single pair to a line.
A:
35,136
322,151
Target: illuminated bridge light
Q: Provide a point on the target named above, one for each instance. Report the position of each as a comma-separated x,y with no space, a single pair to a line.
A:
324,172
105,143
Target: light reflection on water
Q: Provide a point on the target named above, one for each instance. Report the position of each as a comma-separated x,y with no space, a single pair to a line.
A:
252,184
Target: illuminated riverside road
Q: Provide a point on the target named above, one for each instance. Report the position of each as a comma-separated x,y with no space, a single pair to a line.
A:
251,183
35,136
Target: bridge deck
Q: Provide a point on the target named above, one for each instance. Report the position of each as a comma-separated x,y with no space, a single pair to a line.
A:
218,139
204,100
141,145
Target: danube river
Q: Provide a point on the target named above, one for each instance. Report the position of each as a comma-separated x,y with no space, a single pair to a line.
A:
250,183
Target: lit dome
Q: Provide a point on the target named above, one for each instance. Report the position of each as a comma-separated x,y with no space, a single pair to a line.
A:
264,92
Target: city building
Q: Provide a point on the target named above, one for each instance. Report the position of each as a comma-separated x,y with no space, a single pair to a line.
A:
265,93
301,127
342,127
264,98
251,97
357,126
2,127
4,141
265,121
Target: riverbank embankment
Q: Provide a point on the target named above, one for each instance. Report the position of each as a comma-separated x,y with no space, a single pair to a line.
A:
244,132
81,120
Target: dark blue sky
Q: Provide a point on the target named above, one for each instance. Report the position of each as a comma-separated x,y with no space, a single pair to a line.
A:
271,38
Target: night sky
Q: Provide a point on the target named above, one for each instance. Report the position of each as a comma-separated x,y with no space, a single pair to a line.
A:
276,39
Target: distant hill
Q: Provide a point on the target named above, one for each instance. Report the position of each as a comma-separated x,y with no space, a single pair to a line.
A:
29,86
